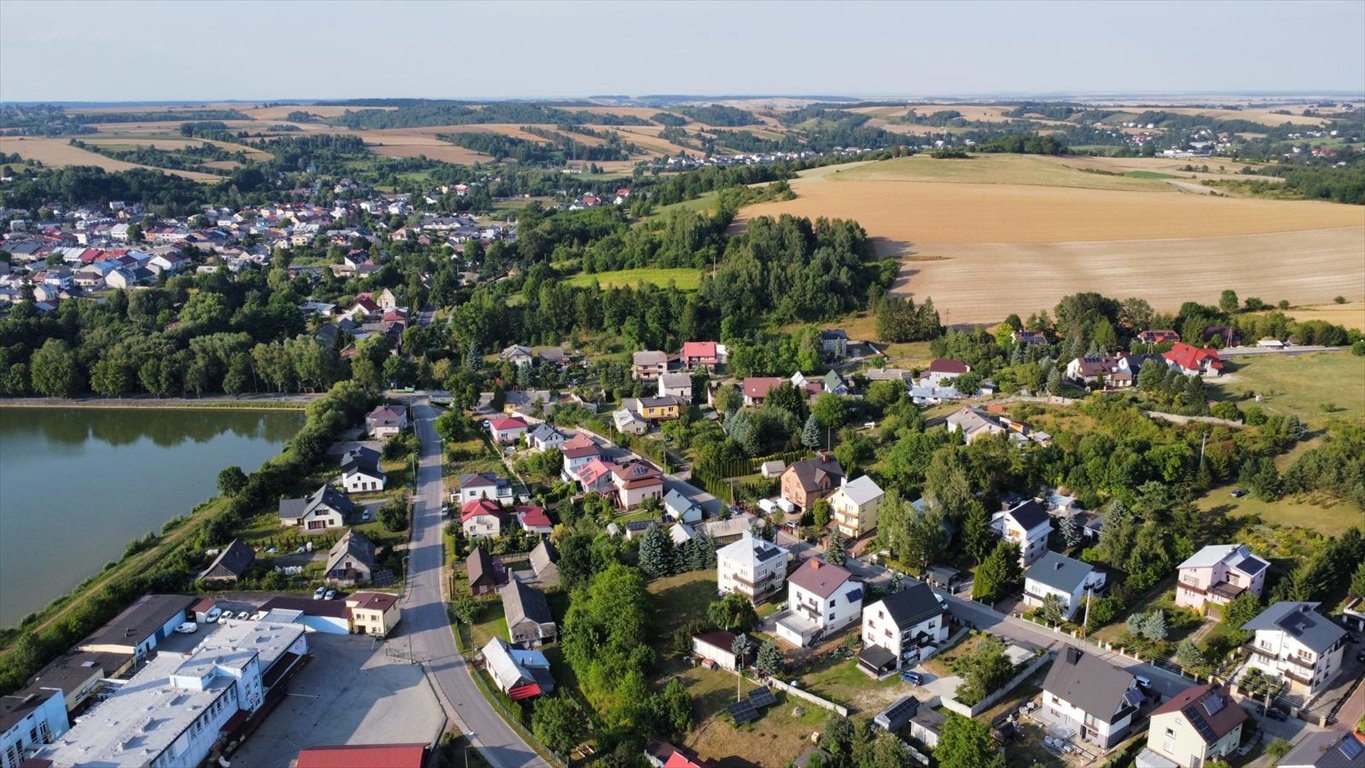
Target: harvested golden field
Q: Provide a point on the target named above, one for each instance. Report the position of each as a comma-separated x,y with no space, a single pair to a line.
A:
172,143
279,112
1001,234
1351,314
57,153
165,128
1265,117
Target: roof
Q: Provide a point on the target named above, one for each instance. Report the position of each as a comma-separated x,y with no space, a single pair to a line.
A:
544,555
503,424
523,603
476,507
648,357
830,334
1192,358
1302,622
675,501
372,601
1326,749
750,549
1088,683
1059,572
385,415
1208,709
354,545
1236,556
819,577
948,365
544,431
672,380
815,472
479,566
862,491
140,621
1029,515
71,671
660,402
480,480
515,669
367,755
324,496
533,517
578,446
15,708
335,609
362,459
909,607
231,563
699,349
760,386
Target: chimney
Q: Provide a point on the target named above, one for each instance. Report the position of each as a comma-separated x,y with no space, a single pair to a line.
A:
815,565
1057,565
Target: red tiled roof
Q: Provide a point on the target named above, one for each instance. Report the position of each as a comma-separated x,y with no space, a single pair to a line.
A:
507,423
1192,358
373,601
364,756
679,759
819,577
760,386
475,507
699,349
533,517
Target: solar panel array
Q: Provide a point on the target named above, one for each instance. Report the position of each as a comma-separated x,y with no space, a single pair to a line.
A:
1200,724
743,712
762,697
906,706
1350,748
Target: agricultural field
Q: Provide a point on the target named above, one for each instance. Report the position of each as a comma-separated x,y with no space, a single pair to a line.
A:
1348,315
685,279
1317,388
1041,230
58,153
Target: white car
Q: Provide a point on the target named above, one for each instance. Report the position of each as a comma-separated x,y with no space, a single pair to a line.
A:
319,592
212,616
188,628
244,615
331,594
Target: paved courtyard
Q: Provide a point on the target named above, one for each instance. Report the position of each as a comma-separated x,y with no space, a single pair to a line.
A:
351,693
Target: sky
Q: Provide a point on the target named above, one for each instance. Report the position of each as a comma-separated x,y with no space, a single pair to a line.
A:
58,50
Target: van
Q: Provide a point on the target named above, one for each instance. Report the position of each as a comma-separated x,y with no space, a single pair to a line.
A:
1143,682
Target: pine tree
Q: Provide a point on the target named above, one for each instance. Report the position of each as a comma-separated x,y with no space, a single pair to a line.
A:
811,436
1054,382
656,553
836,553
976,532
769,659
1071,532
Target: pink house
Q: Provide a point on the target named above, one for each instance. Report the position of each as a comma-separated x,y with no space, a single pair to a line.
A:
1217,574
635,482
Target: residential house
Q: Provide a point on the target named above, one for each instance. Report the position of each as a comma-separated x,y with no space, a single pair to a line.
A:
1298,645
772,470
1026,524
529,622
30,718
1028,338
350,561
756,388
821,600
649,365
628,422
533,520
752,566
374,613
1199,724
554,356
1067,579
931,395
545,437
1108,371
834,383
529,403
664,408
718,648
899,626
324,509
635,482
482,572
517,355
486,485
386,421
677,385
577,451
230,565
596,477
1159,336
808,480
360,470
1326,749
681,533
545,563
943,371
680,508
703,354
1215,575
1090,697
973,423
855,505
506,430
521,674
834,343
1193,361
483,518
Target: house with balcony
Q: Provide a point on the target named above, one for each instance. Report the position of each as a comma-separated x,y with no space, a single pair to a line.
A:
821,600
855,506
902,628
751,566
1298,645
649,365
1026,524
1199,724
578,451
1089,698
486,485
1215,575
1067,579
635,483
703,354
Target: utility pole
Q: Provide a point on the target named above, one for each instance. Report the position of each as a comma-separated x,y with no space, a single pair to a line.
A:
1085,625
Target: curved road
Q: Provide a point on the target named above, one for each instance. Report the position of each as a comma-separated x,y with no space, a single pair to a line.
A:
427,627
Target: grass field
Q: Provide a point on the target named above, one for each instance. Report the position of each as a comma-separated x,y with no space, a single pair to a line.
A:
999,234
685,279
1302,385
1350,315
1316,512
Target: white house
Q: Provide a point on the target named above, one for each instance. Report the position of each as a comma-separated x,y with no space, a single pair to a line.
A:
506,430
386,421
677,385
485,485
718,648
898,626
680,508
545,437
1027,525
360,471
483,518
521,674
821,599
1215,575
942,371
1298,645
1065,578
1326,749
752,566
30,718
325,508
627,422
855,506
635,483
649,365
578,452
1089,697
1198,724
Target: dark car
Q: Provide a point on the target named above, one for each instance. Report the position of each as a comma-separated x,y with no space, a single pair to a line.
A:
912,678
1238,493
1277,714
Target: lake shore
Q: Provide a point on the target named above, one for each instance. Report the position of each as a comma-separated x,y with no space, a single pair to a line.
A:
244,402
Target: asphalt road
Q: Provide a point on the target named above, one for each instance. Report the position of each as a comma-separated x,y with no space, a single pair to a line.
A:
426,627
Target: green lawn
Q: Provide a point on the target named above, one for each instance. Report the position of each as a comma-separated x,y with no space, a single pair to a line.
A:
841,682
706,202
1149,175
684,279
681,598
1301,385
1316,511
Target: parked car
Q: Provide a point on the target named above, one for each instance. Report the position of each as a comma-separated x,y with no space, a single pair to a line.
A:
331,595
244,615
319,592
1238,493
213,614
188,628
1277,714
1143,682
912,678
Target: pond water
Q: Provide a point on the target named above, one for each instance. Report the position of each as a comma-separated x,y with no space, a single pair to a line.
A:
78,484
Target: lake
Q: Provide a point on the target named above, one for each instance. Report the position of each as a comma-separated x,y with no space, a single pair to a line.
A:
78,484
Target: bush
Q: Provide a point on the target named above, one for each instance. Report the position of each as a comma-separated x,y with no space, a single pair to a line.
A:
394,515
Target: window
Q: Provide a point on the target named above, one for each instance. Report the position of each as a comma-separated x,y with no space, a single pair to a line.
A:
831,602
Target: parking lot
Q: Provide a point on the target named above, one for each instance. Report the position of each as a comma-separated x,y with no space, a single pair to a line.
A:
351,693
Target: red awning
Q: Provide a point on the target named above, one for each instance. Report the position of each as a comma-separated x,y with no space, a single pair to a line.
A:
524,692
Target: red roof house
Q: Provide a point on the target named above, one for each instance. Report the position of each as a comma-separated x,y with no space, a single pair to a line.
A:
699,353
363,756
1193,361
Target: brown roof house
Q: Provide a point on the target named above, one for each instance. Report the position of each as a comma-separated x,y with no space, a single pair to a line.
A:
1197,725
529,621
808,480
482,573
351,561
230,565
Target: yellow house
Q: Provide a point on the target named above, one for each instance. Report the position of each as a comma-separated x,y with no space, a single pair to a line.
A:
660,408
373,613
855,506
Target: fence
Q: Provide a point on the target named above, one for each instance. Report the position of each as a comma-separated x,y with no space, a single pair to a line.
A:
999,693
810,697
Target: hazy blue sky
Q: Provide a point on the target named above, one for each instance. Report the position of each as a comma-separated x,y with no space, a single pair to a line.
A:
121,51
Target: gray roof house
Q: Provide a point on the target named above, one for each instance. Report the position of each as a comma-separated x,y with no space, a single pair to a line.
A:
351,561
529,621
545,437
679,507
1327,749
1067,579
1089,696
324,508
231,564
1301,621
545,563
